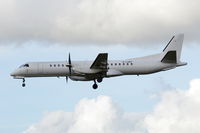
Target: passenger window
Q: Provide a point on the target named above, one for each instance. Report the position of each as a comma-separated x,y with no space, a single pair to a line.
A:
127,64
62,65
50,65
123,63
54,65
111,64
119,63
115,64
58,65
131,63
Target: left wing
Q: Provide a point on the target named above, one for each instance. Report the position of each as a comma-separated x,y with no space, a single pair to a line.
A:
100,62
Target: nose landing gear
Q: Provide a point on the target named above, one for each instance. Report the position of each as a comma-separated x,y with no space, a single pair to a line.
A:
23,83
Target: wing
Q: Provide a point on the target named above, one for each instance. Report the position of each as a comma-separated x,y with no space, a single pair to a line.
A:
100,62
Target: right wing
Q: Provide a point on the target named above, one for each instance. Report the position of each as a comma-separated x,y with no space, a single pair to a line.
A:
100,62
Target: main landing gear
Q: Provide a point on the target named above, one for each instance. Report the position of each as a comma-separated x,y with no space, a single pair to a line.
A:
95,86
23,82
99,80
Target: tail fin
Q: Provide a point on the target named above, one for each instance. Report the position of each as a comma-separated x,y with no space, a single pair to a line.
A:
172,52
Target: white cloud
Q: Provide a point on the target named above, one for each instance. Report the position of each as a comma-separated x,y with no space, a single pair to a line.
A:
98,115
177,112
99,21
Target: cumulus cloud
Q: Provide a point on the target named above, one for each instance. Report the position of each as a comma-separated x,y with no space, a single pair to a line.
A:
177,112
98,115
99,21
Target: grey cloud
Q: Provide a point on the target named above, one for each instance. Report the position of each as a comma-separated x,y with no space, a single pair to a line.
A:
98,22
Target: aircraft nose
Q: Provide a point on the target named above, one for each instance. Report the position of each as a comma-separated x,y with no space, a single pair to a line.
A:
17,72
13,74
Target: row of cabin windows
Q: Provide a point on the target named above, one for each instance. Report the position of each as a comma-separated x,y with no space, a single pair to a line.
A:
112,64
58,65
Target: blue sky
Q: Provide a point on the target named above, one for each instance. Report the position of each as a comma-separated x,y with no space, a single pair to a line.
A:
21,107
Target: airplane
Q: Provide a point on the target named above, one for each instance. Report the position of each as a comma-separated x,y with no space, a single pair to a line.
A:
101,67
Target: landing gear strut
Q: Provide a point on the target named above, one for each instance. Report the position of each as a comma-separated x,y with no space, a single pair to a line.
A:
23,83
95,86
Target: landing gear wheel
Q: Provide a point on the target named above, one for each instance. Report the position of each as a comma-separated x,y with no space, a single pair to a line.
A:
23,85
99,80
95,86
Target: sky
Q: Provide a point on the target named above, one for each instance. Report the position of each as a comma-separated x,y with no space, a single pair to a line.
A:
47,30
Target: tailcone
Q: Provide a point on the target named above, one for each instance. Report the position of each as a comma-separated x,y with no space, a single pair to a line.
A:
181,64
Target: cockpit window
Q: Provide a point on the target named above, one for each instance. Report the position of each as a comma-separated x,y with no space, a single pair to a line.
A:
24,65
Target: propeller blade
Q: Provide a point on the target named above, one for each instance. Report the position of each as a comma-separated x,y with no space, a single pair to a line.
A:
70,65
66,79
69,60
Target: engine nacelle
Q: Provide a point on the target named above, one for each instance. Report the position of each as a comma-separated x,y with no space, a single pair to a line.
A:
78,78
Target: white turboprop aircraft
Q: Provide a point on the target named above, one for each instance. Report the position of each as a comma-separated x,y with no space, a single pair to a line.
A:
101,67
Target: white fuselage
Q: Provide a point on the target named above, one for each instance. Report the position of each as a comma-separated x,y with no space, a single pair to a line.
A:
81,69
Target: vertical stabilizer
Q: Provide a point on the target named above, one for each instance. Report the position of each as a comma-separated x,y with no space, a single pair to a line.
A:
172,52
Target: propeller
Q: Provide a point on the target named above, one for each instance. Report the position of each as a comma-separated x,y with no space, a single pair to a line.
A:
70,67
66,79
